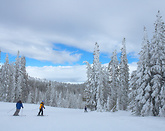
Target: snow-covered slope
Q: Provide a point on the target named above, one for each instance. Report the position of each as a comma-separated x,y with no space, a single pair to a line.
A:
59,119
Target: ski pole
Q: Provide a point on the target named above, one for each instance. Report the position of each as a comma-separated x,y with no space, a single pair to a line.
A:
11,110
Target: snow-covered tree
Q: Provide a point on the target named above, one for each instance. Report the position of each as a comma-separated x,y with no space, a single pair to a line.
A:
140,83
48,92
18,90
23,79
157,64
106,86
5,81
98,79
95,87
114,81
143,82
52,95
89,91
11,93
124,79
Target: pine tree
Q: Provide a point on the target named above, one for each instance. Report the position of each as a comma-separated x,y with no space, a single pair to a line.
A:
94,91
23,77
124,79
140,82
89,94
48,92
114,81
157,64
11,92
16,73
6,77
52,95
98,78
106,86
143,72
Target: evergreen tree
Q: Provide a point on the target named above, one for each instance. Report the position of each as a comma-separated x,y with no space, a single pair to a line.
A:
6,78
140,82
114,81
124,79
16,73
11,83
48,92
89,91
98,79
143,72
157,64
95,91
23,79
106,86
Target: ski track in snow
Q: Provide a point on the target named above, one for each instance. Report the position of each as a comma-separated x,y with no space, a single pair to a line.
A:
62,119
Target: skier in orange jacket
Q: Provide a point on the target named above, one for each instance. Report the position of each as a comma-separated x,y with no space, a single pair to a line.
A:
41,108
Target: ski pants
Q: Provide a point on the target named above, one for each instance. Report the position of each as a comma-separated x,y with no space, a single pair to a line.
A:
41,111
16,112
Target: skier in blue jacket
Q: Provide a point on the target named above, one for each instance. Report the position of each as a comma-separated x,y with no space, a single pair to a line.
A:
18,107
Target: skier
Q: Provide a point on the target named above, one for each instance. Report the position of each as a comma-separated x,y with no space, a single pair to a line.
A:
85,109
41,108
18,107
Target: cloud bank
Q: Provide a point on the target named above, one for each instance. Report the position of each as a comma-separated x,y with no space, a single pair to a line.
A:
69,74
72,74
33,27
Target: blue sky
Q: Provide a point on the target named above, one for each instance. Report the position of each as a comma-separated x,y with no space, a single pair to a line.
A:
56,36
85,56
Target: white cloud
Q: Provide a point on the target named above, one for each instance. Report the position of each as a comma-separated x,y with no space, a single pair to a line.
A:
33,26
70,74
33,47
73,74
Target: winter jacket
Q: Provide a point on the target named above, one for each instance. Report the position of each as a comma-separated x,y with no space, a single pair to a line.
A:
42,105
19,105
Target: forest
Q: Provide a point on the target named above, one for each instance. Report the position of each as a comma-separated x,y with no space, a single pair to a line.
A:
109,88
15,84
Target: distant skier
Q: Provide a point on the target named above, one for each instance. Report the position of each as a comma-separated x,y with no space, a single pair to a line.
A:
41,108
85,109
18,107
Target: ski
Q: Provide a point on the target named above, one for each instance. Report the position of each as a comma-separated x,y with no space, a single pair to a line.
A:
42,115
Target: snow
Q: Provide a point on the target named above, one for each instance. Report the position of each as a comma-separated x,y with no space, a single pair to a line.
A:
62,119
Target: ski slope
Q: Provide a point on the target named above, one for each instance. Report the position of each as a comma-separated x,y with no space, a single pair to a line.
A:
59,119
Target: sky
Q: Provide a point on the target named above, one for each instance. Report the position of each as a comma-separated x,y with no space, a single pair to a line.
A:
56,36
